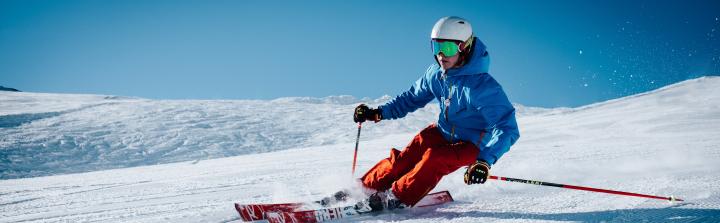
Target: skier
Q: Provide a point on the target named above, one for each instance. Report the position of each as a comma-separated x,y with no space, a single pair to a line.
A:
475,128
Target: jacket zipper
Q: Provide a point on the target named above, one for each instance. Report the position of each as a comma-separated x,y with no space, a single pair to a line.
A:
447,107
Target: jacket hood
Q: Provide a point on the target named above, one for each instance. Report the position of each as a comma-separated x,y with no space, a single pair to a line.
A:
478,63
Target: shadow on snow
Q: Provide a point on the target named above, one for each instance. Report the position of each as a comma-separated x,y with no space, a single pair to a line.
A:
669,214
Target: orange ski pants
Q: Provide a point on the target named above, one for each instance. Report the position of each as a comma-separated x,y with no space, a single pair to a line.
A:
412,173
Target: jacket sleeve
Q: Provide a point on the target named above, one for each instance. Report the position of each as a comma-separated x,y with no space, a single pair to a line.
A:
416,97
499,136
501,130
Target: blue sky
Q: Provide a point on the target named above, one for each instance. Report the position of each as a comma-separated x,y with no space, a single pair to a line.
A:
557,53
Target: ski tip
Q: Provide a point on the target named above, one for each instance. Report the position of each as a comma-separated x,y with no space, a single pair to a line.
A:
450,196
435,199
446,193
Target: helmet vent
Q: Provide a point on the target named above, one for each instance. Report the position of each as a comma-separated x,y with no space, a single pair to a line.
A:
461,22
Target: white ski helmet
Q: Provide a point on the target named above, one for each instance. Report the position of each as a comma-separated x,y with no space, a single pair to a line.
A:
452,28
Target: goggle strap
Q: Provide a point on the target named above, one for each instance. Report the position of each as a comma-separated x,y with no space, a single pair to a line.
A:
468,43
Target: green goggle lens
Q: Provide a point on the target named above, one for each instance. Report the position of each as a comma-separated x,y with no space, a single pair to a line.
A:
448,48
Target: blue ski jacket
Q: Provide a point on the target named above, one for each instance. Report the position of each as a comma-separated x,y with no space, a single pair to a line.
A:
473,106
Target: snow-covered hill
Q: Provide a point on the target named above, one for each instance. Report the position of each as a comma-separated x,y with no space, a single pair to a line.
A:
46,134
662,142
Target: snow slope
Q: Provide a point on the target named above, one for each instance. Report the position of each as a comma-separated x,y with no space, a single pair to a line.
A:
663,142
45,134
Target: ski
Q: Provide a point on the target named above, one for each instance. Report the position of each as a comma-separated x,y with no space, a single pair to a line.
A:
254,212
328,214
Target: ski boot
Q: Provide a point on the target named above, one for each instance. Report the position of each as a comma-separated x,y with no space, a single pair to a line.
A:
392,202
379,201
338,197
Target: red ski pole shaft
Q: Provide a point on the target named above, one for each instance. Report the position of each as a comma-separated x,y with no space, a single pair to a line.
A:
357,142
534,182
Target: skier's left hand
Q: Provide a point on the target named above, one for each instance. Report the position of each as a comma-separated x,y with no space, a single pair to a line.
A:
477,173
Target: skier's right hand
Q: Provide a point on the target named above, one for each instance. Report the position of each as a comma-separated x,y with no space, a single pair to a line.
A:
364,113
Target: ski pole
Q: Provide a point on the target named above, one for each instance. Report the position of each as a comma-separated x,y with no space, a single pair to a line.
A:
534,182
357,141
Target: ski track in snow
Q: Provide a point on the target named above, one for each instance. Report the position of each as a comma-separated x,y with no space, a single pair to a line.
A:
189,160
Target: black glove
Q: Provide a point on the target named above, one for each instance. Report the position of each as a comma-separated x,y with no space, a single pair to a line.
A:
477,173
364,113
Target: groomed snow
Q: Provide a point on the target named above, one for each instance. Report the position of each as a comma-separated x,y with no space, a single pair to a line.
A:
663,142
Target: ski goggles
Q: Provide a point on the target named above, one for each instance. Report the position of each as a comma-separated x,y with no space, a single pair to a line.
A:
447,48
